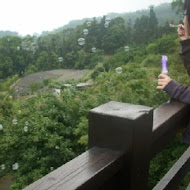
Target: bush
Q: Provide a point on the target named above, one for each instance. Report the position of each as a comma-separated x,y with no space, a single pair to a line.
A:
97,71
35,86
152,60
165,45
47,81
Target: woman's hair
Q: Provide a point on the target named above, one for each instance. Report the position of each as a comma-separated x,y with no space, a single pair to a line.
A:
187,8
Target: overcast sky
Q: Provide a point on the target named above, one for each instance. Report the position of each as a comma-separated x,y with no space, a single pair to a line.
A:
35,16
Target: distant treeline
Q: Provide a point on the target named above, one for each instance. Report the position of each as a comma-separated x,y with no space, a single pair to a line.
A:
164,12
8,33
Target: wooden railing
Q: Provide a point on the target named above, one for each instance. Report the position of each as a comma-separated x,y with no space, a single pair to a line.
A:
123,138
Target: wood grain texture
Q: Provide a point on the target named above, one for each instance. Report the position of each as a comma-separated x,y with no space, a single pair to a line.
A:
87,171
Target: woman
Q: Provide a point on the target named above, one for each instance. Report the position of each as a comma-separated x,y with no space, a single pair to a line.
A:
177,91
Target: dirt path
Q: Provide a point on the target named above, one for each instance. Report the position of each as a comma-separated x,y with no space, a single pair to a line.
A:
22,85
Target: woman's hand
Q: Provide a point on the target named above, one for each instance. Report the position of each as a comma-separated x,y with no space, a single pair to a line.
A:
163,80
181,32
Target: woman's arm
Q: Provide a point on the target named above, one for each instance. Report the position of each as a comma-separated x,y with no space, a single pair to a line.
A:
176,91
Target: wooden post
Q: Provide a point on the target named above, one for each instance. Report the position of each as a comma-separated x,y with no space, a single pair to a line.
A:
126,127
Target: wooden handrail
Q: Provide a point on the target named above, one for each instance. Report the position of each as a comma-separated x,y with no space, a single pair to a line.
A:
173,177
87,171
167,118
188,188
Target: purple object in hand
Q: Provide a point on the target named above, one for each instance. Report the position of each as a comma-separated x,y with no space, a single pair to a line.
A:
164,65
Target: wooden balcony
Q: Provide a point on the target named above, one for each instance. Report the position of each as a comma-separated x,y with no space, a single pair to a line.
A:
123,138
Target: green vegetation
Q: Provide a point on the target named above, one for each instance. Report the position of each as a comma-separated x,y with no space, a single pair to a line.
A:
41,132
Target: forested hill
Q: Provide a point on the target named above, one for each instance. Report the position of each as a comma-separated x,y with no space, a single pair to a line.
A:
164,12
8,33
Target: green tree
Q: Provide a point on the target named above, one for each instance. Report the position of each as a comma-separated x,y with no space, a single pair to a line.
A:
47,61
115,36
129,31
6,67
178,5
141,30
153,24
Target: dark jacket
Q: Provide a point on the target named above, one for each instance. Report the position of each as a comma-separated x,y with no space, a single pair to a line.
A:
180,92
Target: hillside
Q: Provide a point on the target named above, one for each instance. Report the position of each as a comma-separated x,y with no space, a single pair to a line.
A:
43,132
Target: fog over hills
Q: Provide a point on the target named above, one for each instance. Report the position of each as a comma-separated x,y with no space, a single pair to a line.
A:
163,12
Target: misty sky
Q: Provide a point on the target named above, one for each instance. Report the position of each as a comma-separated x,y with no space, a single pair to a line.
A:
35,16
